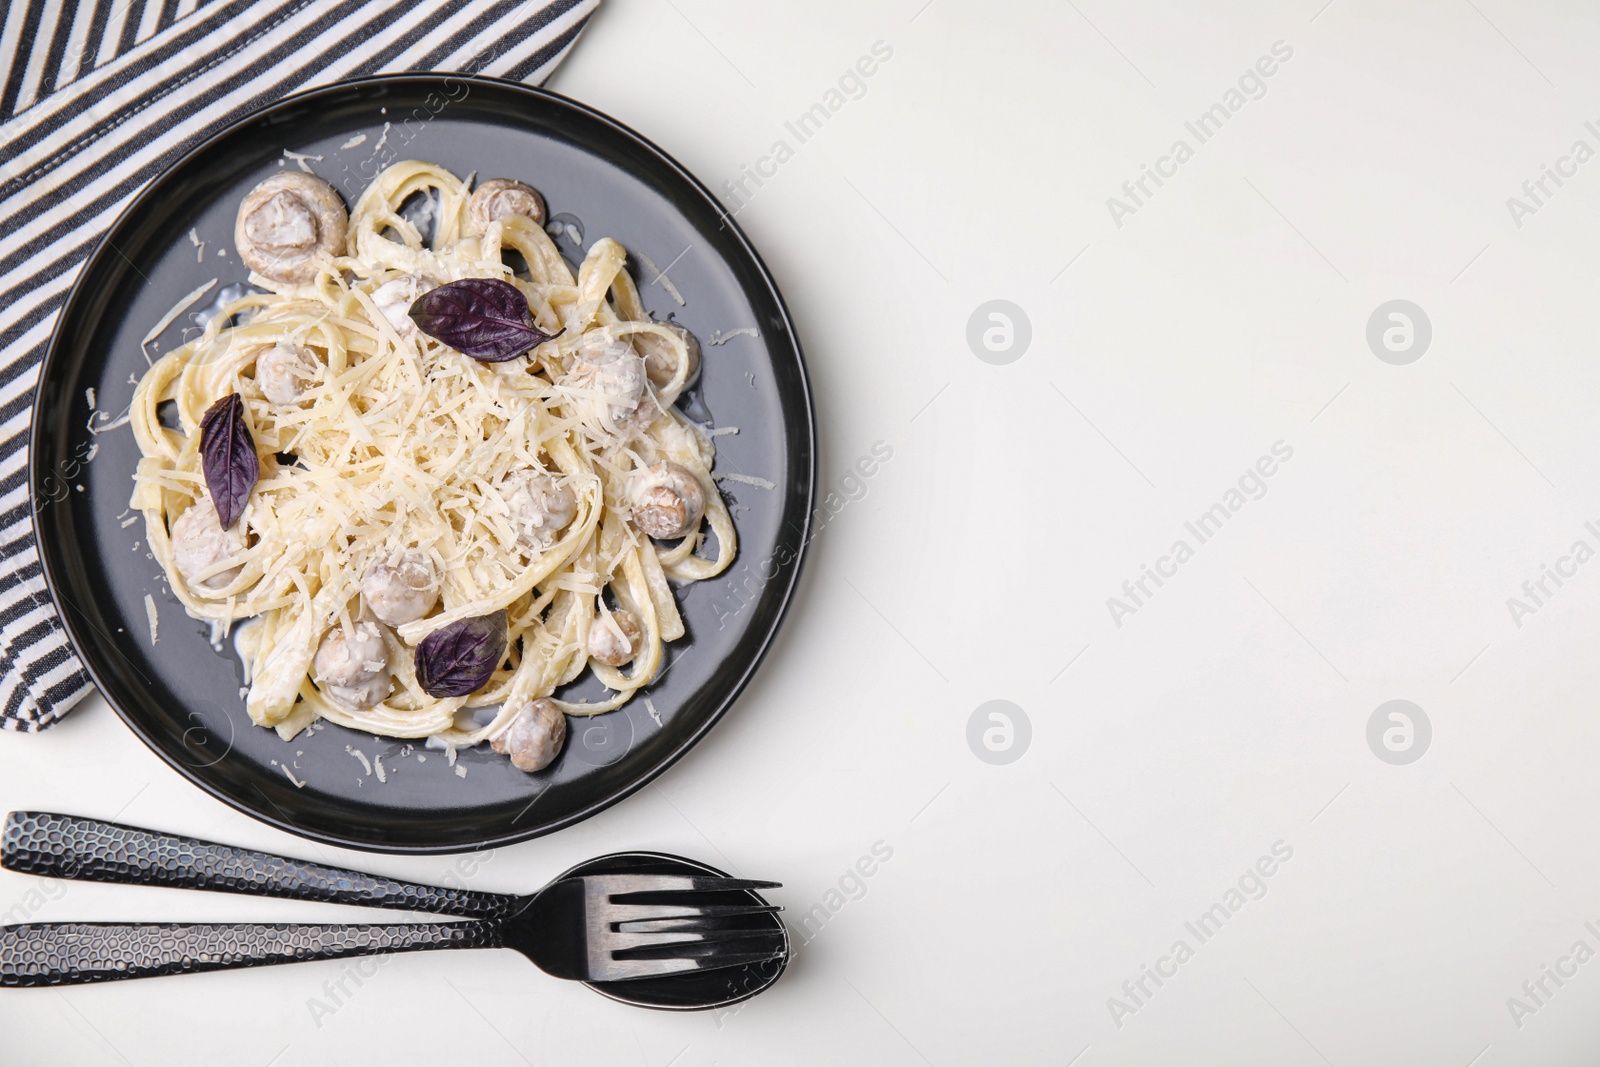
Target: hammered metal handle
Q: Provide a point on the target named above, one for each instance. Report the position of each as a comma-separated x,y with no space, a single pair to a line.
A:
50,954
67,846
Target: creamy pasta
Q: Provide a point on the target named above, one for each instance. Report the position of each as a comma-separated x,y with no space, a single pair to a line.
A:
404,487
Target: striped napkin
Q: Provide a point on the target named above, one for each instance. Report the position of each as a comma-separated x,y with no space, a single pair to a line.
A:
99,97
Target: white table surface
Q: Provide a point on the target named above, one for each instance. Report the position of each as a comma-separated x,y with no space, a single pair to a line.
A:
1226,715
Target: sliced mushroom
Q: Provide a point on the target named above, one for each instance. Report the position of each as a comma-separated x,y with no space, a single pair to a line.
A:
500,197
402,588
395,297
661,359
199,543
284,371
535,736
667,499
540,507
353,668
287,222
615,639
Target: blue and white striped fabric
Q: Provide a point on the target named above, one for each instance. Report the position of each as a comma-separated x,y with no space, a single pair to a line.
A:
100,96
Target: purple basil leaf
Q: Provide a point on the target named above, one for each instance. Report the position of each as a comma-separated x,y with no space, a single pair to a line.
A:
228,455
458,658
484,318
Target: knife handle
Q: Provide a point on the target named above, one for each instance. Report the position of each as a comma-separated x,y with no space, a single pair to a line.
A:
54,954
67,846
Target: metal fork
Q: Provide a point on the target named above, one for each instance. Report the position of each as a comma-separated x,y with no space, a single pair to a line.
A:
593,928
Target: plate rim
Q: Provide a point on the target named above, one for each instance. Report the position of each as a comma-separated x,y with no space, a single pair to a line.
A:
807,436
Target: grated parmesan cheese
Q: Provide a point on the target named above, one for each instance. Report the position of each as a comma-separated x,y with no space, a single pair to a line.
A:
720,338
171,316
661,276
153,617
300,160
360,755
106,422
746,479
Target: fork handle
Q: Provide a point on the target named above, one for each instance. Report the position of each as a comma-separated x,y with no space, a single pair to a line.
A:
67,846
52,954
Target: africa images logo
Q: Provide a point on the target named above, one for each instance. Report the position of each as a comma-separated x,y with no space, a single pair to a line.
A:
1251,485
1252,85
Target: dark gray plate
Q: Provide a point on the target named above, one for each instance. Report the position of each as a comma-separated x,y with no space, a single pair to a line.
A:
182,697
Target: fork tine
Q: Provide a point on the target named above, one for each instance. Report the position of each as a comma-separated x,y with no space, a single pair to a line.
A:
707,884
735,959
629,969
622,885
684,942
691,920
627,913
739,959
